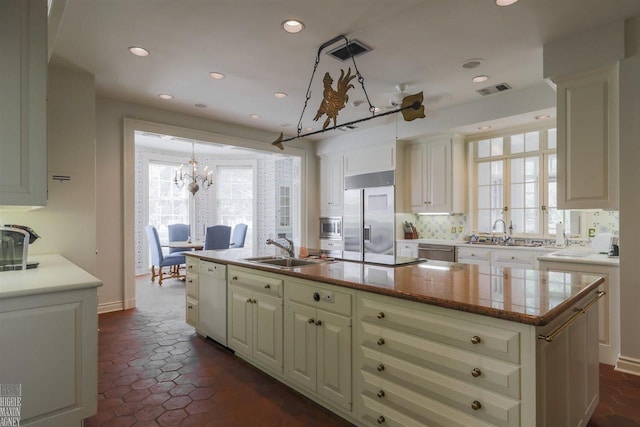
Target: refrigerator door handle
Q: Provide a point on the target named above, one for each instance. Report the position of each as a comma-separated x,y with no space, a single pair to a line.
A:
367,233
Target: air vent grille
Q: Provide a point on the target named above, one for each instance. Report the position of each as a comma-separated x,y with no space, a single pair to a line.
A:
501,87
342,53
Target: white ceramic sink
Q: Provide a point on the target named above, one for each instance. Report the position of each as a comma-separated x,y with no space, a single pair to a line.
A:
579,253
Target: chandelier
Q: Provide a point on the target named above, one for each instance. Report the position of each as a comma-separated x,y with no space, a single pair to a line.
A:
193,179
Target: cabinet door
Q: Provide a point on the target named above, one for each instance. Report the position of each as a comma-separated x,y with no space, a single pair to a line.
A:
23,43
439,177
331,184
192,312
588,140
268,331
300,332
334,358
417,166
240,320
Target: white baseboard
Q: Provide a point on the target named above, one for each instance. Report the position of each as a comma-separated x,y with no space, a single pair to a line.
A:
129,303
628,365
110,306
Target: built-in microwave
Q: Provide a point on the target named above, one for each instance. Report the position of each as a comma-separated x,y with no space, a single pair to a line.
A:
331,227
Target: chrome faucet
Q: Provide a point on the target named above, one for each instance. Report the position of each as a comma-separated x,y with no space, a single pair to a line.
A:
289,249
505,231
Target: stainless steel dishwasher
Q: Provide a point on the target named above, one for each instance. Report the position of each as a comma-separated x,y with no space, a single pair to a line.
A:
437,252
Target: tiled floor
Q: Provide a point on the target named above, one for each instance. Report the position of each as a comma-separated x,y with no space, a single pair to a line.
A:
154,370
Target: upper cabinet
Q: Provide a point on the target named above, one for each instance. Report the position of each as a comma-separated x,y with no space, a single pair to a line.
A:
588,139
372,159
331,184
437,175
23,126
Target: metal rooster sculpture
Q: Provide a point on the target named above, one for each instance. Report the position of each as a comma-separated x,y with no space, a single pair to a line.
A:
334,100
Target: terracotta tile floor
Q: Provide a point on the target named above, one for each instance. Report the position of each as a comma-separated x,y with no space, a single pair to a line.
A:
154,370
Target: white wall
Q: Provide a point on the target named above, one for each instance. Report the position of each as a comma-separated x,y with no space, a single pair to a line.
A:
68,223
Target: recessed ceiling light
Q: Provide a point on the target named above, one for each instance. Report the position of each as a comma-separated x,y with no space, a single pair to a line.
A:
472,63
480,79
505,2
484,127
254,116
201,105
542,117
165,96
216,75
138,51
279,94
292,26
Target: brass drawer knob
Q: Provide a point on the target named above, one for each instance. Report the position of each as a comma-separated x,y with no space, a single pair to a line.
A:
381,419
311,321
318,322
249,301
475,339
380,367
380,341
381,394
380,315
234,278
475,405
267,286
475,372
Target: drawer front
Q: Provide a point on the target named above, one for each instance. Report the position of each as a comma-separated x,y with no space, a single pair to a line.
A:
322,297
213,269
416,386
192,264
471,336
517,258
331,245
192,312
479,370
472,255
192,285
267,285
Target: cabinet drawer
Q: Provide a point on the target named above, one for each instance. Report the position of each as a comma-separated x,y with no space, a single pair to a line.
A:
192,264
474,255
481,371
331,245
192,312
319,296
471,336
417,387
192,285
209,268
513,258
260,283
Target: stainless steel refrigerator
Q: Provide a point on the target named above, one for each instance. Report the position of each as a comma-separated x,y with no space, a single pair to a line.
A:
369,218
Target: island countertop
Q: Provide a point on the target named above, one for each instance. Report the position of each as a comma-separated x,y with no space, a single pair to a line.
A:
54,274
524,296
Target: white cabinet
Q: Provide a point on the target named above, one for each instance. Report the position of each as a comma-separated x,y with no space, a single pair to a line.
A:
23,45
255,317
331,184
498,257
191,284
437,176
212,301
478,256
408,249
371,159
588,139
609,321
318,340
331,245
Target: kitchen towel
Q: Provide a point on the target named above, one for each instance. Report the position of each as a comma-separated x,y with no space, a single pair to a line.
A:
560,234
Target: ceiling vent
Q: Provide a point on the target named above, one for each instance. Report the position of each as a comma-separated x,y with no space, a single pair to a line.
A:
342,52
501,87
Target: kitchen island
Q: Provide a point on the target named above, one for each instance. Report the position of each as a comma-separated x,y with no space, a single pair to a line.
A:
49,342
422,344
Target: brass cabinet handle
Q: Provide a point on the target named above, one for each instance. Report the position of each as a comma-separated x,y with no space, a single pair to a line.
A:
380,394
380,341
267,286
311,320
380,419
318,322
190,280
475,339
380,367
190,267
190,307
475,405
475,372
249,301
380,315
234,278
255,301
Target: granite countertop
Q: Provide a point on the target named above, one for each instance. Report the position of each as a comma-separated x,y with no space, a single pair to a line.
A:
54,274
524,296
461,243
581,256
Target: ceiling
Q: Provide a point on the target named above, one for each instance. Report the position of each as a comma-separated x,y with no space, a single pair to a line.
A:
422,43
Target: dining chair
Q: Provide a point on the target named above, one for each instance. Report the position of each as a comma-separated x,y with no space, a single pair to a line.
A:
178,233
238,236
217,237
159,259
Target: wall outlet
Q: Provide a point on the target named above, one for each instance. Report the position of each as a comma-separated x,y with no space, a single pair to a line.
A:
592,232
460,229
327,296
453,229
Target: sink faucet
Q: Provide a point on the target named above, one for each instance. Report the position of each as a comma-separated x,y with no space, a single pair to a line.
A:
505,231
288,249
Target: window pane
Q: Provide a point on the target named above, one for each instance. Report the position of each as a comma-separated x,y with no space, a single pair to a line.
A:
497,146
517,143
532,169
484,197
496,172
517,196
551,138
517,170
235,197
168,204
484,173
532,141
483,148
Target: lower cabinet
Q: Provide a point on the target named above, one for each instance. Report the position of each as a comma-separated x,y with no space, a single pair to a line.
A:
212,300
318,340
191,285
255,317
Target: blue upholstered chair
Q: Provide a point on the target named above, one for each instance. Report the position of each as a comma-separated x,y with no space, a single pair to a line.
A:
238,236
158,259
178,233
217,237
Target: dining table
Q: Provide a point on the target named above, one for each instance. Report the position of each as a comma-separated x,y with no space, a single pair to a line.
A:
186,245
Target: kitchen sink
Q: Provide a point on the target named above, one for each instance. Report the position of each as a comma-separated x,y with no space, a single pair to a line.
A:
285,262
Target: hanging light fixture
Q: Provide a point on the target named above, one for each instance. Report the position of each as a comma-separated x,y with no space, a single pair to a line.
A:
193,179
